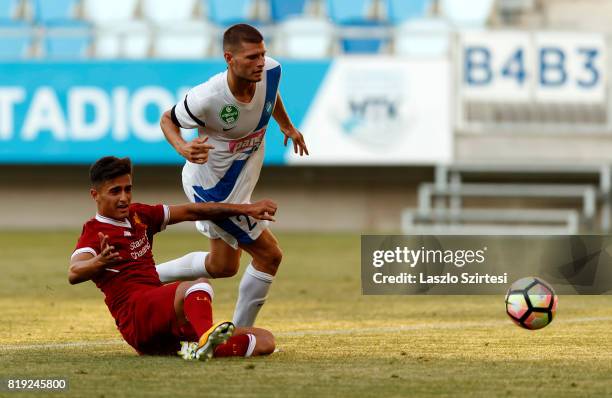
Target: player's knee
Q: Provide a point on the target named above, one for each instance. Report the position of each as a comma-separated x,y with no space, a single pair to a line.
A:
222,269
272,258
225,272
277,257
265,343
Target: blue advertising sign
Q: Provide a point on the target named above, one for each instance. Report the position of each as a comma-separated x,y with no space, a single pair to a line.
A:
74,113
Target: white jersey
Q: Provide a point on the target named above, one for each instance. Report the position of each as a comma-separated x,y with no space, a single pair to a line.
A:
237,131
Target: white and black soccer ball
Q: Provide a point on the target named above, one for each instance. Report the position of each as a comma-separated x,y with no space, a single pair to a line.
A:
531,303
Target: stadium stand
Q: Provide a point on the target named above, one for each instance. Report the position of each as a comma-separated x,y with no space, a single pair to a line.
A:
280,10
400,11
109,11
187,40
467,14
9,10
163,11
67,40
118,33
54,11
178,34
131,40
422,37
486,221
129,28
16,39
305,37
363,37
440,204
359,29
350,11
229,12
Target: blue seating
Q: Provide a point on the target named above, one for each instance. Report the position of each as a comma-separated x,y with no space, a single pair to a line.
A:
399,11
46,11
345,12
67,40
362,46
357,29
280,10
365,37
8,9
15,40
230,12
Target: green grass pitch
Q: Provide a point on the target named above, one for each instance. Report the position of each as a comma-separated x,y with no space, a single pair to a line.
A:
334,341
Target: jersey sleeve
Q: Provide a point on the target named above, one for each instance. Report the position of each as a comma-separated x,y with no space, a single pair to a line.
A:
189,112
155,217
88,243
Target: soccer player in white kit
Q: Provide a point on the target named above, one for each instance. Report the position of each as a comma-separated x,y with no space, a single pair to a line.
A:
231,112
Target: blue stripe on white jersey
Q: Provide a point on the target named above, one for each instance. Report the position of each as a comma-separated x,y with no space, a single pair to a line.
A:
226,183
272,80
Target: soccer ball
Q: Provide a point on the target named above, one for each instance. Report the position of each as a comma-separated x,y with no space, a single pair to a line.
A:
531,303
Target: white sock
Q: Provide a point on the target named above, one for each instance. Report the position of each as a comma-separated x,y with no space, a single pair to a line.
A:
190,266
252,343
252,294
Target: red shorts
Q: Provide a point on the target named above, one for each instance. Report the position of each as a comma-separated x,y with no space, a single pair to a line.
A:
154,328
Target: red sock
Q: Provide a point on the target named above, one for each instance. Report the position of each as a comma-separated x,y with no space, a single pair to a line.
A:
236,346
198,310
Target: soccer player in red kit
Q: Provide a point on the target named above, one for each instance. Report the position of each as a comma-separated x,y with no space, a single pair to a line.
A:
115,252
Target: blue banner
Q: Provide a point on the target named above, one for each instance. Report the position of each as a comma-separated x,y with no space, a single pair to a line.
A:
74,113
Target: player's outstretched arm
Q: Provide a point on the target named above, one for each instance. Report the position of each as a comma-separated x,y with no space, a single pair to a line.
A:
195,151
84,266
282,118
261,210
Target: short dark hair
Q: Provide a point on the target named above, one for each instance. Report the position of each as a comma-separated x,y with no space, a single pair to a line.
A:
239,33
107,168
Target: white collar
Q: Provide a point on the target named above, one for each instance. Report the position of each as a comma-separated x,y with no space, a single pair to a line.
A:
106,220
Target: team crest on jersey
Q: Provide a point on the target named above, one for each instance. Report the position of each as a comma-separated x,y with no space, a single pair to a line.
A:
137,220
229,114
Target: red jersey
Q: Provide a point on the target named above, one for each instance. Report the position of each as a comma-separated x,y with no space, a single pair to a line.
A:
133,240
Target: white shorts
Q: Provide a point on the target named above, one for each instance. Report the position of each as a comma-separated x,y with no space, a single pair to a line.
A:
235,230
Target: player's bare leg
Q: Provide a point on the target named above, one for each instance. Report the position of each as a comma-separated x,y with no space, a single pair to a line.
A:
257,278
266,252
223,260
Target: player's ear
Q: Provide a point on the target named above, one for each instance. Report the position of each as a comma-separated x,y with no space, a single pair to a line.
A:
228,56
94,193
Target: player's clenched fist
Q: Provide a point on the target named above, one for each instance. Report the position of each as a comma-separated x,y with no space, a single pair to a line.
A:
262,210
196,151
